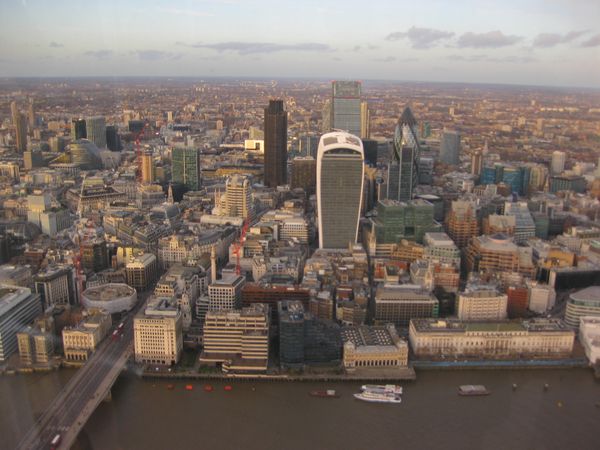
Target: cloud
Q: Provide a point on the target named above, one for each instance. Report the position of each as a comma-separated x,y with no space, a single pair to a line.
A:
248,48
386,59
100,54
155,55
420,38
545,40
486,58
594,41
55,45
184,12
491,39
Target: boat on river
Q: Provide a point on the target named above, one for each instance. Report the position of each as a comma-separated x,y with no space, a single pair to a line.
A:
469,390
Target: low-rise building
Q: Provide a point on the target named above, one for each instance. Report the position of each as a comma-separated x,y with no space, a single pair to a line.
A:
157,330
585,302
480,302
376,347
589,337
79,342
398,304
450,338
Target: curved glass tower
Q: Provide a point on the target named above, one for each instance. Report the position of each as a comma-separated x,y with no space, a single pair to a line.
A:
403,173
340,178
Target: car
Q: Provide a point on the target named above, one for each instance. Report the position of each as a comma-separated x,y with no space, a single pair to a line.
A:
55,442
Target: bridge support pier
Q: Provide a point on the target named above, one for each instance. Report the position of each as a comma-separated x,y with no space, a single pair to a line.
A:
108,397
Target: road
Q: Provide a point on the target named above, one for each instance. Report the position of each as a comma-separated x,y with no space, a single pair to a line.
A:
75,403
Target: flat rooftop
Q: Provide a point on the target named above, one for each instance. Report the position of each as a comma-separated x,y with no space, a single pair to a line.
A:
455,325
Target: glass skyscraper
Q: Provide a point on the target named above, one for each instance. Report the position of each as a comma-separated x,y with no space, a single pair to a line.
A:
186,167
346,108
340,178
403,170
96,130
450,148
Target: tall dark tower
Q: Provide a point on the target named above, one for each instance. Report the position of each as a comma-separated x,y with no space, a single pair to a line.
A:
275,144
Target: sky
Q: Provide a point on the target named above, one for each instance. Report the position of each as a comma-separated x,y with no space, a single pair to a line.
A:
532,42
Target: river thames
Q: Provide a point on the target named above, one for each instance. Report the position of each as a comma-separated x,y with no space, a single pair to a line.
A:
144,414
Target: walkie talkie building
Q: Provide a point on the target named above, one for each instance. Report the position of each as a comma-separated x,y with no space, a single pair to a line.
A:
340,178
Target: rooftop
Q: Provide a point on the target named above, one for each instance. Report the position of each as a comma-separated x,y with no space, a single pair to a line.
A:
590,294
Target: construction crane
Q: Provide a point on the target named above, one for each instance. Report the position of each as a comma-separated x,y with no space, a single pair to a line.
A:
237,246
79,205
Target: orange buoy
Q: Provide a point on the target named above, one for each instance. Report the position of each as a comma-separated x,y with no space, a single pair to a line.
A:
208,388
189,387
228,388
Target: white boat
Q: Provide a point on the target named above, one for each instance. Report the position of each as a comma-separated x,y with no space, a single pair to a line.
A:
380,388
368,396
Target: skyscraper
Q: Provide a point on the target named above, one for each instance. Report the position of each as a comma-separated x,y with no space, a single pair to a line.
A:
476,163
31,116
148,171
403,170
450,147
275,144
96,130
557,165
340,178
113,141
186,167
78,130
346,107
365,120
21,131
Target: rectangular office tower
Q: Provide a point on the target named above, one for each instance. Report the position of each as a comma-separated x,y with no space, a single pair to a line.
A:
96,130
340,178
185,167
275,144
450,148
346,108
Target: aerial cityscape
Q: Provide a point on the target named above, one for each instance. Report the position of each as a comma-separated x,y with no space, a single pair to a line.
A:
252,259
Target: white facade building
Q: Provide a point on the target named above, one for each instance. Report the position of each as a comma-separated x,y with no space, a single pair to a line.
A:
158,337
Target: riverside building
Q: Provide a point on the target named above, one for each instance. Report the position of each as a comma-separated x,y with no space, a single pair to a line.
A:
237,340
18,307
157,329
536,338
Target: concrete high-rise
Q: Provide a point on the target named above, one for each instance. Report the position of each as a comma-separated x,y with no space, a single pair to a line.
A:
148,170
450,148
186,167
365,121
557,165
238,197
461,222
21,132
275,144
340,178
96,130
346,106
476,163
403,170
